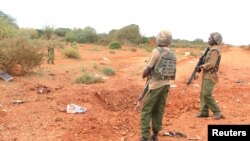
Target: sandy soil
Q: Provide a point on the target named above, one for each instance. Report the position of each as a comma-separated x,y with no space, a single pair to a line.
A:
111,114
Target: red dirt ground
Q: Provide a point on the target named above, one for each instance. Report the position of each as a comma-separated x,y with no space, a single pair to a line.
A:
111,114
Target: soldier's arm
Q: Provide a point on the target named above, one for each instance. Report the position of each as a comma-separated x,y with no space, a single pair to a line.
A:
212,60
153,58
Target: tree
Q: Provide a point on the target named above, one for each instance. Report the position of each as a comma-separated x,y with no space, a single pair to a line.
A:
8,27
128,34
9,19
48,32
62,31
198,41
86,35
28,33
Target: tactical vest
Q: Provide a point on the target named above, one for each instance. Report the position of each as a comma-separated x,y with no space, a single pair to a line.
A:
217,65
165,68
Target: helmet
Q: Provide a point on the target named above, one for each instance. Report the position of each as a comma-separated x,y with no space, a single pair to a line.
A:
164,38
216,38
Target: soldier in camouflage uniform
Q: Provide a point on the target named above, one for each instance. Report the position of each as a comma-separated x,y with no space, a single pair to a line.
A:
160,69
210,78
51,55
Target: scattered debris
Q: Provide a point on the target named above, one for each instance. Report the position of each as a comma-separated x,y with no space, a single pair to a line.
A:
43,89
106,59
197,138
5,76
196,85
58,119
52,74
187,53
18,101
239,81
73,109
173,86
174,134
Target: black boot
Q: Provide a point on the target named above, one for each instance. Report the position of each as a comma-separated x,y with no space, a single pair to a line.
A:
218,116
200,115
154,136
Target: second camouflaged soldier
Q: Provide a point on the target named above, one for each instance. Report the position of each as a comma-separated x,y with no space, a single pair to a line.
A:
210,77
51,55
160,69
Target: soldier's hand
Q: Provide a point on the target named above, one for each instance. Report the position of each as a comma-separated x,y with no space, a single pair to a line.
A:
138,106
146,72
198,69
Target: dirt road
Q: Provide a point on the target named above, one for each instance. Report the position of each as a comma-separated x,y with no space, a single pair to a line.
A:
111,115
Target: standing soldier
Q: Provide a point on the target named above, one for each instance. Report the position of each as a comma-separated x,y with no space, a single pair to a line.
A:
210,77
160,69
51,54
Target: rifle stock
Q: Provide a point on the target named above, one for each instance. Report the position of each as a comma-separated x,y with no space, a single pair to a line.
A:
200,62
142,95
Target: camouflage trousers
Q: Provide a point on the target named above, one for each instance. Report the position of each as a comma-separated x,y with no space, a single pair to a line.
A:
206,99
51,58
153,110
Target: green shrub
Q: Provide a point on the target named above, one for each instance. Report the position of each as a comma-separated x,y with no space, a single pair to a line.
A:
6,29
115,45
62,31
195,54
84,69
95,66
86,35
71,53
19,53
108,71
27,33
89,79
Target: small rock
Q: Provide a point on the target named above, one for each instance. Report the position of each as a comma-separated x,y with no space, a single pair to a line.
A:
58,119
124,133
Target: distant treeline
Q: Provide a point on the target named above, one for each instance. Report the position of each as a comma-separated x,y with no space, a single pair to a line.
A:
128,35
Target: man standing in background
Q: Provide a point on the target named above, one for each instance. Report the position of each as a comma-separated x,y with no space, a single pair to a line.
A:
51,55
160,69
210,78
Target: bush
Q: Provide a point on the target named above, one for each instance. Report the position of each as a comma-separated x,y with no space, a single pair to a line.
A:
62,31
95,66
108,71
89,79
27,33
71,53
19,54
6,29
129,34
195,54
86,35
115,45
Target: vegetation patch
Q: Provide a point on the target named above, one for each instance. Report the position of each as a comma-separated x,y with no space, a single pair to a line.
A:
89,79
19,56
71,53
108,71
115,45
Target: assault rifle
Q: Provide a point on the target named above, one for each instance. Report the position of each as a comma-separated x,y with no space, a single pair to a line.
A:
142,95
200,62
